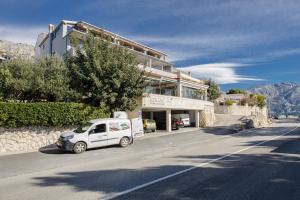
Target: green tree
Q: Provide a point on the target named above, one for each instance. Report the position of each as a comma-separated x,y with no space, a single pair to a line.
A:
236,91
105,74
43,80
213,91
55,81
16,79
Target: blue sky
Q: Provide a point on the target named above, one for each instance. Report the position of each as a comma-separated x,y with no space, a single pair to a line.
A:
237,43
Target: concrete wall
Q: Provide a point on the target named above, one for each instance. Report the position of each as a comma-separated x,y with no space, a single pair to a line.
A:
28,139
59,45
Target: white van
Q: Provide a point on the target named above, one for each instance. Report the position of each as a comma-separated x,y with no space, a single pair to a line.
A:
97,133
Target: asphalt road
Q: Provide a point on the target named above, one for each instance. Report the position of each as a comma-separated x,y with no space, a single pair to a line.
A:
205,164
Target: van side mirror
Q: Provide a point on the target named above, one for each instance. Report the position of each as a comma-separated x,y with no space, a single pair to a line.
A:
92,131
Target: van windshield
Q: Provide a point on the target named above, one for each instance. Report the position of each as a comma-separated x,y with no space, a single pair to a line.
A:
83,128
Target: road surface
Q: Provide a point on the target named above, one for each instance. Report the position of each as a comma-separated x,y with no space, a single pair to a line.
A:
205,164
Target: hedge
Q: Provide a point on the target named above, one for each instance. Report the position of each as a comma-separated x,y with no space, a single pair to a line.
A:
53,114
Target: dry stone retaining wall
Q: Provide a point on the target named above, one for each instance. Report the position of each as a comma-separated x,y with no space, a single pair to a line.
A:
258,117
28,139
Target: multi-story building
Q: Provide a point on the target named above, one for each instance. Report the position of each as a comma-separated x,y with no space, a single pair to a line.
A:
236,98
171,91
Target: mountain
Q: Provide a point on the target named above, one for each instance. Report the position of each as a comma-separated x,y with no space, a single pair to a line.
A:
283,98
16,50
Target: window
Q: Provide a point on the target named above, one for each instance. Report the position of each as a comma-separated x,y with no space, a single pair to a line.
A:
83,128
100,128
69,29
192,93
114,126
124,126
54,35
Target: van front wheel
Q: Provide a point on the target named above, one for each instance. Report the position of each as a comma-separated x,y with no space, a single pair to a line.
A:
124,142
79,147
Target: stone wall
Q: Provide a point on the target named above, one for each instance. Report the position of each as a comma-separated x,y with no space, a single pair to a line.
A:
257,117
28,139
207,116
239,110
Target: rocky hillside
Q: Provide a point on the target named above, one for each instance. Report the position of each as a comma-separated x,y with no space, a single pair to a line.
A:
15,50
284,98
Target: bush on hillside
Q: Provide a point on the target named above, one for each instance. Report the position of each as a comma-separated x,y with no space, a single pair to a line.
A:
236,91
47,114
229,102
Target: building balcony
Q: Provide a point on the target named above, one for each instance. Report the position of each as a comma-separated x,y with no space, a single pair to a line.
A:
156,101
157,72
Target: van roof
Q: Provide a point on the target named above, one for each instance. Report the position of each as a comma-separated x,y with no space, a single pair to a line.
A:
107,120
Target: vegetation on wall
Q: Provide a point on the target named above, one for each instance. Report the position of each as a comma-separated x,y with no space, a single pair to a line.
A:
254,100
261,101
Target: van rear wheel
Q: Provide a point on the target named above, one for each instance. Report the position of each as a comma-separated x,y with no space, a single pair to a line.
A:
124,142
79,147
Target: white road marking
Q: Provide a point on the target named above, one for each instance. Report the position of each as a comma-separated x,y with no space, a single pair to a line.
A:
112,196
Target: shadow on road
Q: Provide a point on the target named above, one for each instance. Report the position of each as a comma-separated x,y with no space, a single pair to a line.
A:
258,176
52,149
289,147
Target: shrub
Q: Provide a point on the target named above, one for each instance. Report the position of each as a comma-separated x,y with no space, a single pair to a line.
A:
261,101
244,101
229,102
236,91
47,114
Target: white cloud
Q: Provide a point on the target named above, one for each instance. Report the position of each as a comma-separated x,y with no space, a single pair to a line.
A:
196,40
222,73
267,56
21,34
185,47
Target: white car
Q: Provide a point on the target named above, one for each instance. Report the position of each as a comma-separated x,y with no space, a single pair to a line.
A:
97,133
186,122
